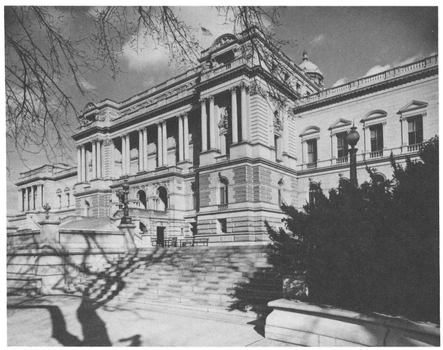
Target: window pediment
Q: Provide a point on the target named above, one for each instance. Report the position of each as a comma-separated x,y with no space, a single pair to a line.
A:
377,114
374,117
340,123
310,130
412,106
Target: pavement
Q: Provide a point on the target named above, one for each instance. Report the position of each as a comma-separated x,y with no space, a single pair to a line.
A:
74,321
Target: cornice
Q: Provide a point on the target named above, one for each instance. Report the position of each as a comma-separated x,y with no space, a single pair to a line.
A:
137,119
43,178
396,81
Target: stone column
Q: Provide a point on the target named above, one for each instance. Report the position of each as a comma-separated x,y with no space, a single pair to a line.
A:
26,198
84,165
244,112
128,154
145,149
33,201
39,196
234,114
140,150
186,136
285,131
123,154
94,160
204,125
99,159
165,144
79,164
43,196
159,145
180,138
20,200
212,123
109,144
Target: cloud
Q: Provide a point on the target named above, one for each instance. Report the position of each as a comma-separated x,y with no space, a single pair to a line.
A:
377,69
340,81
317,41
87,85
143,57
409,60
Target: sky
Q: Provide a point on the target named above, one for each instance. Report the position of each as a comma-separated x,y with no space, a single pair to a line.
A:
346,43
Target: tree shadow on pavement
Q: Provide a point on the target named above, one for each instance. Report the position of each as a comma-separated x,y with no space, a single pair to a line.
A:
94,328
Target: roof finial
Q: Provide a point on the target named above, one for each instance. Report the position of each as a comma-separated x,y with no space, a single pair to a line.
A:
305,55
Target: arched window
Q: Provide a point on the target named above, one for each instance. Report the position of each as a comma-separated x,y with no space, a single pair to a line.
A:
163,197
314,191
378,178
143,228
281,201
86,208
68,197
142,198
59,198
223,191
309,138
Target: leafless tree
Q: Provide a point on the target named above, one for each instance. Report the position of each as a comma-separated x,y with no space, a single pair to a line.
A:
46,65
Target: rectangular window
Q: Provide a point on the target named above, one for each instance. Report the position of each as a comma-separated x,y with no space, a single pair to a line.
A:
312,151
222,225
376,138
415,130
342,145
223,194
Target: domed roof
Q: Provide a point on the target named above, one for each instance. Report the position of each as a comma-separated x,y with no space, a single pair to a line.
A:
308,66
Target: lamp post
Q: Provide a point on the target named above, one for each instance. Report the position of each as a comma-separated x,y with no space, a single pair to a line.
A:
123,196
352,138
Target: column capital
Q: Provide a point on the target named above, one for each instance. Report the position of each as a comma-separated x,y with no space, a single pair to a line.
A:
233,89
107,142
202,100
244,86
184,115
211,98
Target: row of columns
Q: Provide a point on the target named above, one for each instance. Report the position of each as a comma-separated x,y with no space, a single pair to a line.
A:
30,198
162,150
96,155
214,140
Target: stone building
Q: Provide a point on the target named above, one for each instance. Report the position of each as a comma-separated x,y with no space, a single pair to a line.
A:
212,153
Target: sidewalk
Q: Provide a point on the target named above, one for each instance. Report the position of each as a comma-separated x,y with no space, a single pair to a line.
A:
72,321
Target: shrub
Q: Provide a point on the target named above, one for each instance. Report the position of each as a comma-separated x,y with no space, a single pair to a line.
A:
374,248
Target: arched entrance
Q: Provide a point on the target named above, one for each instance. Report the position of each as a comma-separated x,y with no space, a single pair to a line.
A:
142,198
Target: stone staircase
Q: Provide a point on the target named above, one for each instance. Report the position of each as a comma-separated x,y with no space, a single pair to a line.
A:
219,279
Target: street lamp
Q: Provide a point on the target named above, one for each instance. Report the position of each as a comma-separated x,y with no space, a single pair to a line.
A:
123,196
352,138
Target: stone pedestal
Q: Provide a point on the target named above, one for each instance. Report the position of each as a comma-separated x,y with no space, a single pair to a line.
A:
185,165
49,232
208,157
128,231
146,241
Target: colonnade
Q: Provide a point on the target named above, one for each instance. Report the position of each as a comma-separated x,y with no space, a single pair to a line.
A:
212,127
96,159
30,198
209,126
97,147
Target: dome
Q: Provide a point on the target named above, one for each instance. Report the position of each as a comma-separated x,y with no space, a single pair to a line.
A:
307,66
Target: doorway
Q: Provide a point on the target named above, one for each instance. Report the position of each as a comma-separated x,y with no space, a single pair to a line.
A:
161,236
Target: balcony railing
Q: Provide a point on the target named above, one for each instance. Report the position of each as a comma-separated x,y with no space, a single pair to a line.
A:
376,154
414,148
312,165
223,206
341,160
